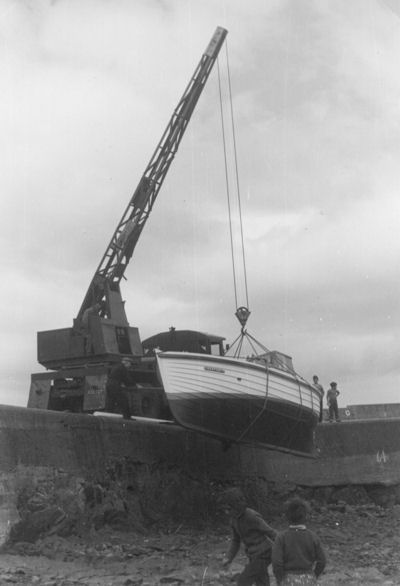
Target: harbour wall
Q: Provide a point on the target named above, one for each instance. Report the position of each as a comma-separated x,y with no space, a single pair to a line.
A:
354,452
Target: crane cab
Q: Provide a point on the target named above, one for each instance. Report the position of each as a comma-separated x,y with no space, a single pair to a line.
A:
103,341
78,362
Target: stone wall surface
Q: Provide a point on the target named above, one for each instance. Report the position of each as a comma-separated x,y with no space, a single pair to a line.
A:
62,469
357,451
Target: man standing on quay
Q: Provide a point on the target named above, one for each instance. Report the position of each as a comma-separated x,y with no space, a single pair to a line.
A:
331,397
319,388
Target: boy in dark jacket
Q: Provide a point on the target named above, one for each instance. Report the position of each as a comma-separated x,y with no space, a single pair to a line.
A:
249,528
297,555
331,397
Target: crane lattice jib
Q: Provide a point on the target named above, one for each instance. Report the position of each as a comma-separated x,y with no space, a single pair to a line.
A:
116,258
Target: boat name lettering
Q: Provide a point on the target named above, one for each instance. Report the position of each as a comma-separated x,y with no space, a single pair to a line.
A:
214,369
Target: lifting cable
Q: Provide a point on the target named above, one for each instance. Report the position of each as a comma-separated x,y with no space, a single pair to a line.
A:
235,277
244,333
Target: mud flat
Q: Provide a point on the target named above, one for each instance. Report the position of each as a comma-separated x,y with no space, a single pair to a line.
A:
361,542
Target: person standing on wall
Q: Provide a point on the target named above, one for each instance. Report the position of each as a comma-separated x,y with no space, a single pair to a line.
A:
85,326
117,383
320,389
331,397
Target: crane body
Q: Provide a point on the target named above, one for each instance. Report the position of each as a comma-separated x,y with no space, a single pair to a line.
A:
78,358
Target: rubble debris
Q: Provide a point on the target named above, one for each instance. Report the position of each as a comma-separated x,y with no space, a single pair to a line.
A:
136,522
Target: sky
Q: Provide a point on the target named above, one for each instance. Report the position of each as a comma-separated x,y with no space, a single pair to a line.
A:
86,91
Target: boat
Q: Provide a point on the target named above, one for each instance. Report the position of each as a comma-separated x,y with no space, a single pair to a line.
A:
258,399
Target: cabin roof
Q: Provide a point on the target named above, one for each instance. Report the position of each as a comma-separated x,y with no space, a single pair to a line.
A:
180,336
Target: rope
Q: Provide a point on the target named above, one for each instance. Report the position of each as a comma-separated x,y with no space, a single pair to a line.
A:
297,421
237,182
252,341
237,175
240,339
244,432
227,181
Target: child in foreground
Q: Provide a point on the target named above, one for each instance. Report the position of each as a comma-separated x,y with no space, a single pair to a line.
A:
297,554
249,528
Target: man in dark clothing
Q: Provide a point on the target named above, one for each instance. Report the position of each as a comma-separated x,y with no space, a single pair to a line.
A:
320,389
257,536
331,397
85,326
118,380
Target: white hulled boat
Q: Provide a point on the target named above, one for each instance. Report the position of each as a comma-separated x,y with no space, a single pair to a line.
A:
258,400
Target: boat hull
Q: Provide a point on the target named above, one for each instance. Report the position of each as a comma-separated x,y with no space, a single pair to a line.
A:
240,401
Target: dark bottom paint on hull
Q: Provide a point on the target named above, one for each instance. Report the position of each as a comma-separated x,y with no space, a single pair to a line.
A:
268,423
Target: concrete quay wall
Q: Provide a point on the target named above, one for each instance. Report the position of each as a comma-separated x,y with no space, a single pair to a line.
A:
353,452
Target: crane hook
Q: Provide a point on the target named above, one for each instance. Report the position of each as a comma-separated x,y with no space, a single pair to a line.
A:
242,313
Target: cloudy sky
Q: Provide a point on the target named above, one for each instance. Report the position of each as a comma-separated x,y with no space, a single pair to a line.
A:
87,88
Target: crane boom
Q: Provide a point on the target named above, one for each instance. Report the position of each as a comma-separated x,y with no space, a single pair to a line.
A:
120,249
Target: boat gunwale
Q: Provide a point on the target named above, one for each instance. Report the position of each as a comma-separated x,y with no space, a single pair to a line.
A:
293,376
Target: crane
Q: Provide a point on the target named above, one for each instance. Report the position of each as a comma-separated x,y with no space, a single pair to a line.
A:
79,358
106,280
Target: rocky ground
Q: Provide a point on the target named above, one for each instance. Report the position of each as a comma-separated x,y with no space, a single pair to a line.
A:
140,526
362,542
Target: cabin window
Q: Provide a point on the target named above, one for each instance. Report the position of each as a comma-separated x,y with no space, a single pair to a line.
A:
216,349
123,343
